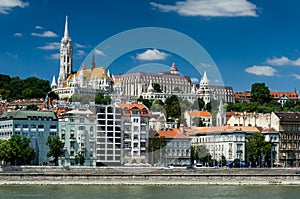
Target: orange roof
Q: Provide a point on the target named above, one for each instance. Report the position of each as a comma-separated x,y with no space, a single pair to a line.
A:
135,105
293,95
199,114
172,133
228,128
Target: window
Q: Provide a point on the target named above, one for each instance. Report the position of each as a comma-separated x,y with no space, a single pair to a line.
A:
81,120
81,128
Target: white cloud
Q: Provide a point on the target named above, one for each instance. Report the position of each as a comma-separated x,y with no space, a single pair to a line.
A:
7,5
261,70
195,80
80,53
50,46
99,52
45,34
39,27
296,62
210,8
54,56
278,61
77,45
204,65
12,55
296,76
283,61
150,55
18,34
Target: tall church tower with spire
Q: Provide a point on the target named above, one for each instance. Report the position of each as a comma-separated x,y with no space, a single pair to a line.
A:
66,56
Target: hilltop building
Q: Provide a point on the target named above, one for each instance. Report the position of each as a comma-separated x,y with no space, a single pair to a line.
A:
86,81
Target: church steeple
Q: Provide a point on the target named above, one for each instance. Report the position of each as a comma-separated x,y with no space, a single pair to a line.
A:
93,64
66,35
204,80
66,56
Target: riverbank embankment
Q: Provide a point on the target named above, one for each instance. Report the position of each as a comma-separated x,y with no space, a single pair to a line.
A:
28,175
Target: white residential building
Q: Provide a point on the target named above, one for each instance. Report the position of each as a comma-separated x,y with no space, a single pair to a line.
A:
109,135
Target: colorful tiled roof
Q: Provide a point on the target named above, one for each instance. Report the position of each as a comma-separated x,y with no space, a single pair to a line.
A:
199,114
171,133
135,105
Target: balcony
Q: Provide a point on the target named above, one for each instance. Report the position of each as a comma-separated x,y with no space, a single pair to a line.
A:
72,139
143,140
127,139
143,148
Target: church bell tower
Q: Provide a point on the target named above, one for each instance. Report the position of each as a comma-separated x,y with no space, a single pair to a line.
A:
66,56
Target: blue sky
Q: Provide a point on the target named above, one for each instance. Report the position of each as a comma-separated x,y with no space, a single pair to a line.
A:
248,40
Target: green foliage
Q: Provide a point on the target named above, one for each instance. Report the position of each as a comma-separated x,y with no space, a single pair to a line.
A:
156,88
16,151
81,98
79,159
260,93
156,148
12,88
101,99
53,95
157,105
197,121
172,107
56,148
146,102
198,104
32,107
258,151
200,153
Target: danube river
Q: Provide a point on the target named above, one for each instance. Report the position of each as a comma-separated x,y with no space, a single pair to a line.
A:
147,192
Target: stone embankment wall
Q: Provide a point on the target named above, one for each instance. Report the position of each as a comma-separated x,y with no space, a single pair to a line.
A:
147,176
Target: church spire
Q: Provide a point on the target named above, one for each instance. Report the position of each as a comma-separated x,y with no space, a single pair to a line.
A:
204,80
66,56
66,35
93,64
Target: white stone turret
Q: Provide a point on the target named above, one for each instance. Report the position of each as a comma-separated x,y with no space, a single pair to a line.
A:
53,84
66,56
173,69
204,89
150,87
204,80
221,115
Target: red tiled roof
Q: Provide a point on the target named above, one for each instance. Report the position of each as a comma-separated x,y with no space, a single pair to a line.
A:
292,95
228,128
135,105
199,114
172,133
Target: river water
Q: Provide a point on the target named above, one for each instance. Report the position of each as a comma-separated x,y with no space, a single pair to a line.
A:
147,192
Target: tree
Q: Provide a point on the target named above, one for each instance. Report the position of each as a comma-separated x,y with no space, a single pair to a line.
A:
101,99
156,144
258,151
172,107
79,159
260,93
197,121
20,152
32,107
200,153
4,151
146,102
198,104
156,88
56,148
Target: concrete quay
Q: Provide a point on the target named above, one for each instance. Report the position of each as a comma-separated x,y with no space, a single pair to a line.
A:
146,176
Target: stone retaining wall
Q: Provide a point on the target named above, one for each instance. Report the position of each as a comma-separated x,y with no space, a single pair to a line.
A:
147,176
